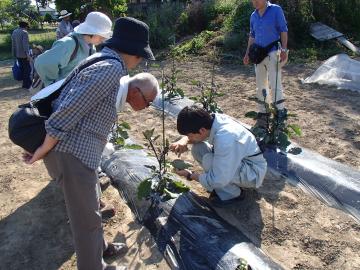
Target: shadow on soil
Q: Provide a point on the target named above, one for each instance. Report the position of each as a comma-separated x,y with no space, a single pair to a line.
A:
37,233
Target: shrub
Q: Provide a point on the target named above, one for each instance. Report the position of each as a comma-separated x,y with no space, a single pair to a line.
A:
195,45
238,24
160,20
233,41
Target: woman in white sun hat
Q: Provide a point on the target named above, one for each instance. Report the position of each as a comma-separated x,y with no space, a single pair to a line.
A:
66,53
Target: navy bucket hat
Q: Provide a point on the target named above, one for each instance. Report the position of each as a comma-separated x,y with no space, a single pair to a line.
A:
131,36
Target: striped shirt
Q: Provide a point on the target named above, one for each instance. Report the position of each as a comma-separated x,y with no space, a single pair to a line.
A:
20,43
85,110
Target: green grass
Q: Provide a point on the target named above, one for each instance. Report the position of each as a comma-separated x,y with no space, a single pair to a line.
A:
44,38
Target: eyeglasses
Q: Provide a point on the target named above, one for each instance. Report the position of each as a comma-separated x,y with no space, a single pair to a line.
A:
148,103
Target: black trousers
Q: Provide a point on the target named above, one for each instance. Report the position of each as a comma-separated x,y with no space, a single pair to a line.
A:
26,71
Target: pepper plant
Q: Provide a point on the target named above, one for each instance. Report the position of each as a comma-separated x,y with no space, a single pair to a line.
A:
161,183
276,132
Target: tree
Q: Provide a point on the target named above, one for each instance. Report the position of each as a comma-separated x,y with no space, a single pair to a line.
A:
5,6
48,18
80,8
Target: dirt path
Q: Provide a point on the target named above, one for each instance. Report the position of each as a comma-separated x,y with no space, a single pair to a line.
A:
293,228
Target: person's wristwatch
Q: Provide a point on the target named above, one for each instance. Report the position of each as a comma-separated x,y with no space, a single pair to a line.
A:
284,50
188,177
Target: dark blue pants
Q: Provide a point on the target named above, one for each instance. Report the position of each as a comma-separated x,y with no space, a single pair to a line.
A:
26,71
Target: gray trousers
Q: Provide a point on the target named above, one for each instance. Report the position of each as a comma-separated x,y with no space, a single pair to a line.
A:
79,185
250,174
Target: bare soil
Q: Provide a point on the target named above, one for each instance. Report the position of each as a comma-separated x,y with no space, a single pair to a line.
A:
293,228
34,229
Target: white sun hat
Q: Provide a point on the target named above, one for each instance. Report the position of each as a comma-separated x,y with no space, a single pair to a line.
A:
96,23
64,14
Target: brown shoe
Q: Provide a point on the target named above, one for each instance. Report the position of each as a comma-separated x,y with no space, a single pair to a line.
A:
115,249
107,211
104,183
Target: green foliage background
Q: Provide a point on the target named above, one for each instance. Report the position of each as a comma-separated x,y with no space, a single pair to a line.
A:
228,20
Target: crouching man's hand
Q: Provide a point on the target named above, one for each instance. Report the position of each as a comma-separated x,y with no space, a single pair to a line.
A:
180,146
189,175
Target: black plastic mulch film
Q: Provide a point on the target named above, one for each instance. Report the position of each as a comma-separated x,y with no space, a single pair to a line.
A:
192,236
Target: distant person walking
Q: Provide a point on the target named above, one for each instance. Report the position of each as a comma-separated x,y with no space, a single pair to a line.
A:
65,27
267,27
66,53
21,51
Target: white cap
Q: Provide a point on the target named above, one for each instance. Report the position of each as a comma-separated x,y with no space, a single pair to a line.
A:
96,23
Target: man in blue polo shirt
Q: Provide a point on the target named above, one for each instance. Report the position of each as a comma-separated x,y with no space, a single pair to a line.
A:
268,25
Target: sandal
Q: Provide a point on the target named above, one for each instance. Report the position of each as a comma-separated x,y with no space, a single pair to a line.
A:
115,249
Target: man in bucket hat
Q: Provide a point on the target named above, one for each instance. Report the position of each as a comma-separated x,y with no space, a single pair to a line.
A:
66,53
65,27
77,132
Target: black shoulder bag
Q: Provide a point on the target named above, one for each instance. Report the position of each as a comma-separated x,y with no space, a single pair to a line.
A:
27,123
257,53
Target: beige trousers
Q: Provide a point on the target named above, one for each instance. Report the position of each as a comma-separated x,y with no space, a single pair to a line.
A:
266,79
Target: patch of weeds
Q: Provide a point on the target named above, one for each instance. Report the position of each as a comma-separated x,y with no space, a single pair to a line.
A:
195,45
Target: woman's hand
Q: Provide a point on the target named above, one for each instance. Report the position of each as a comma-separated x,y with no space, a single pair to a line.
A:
41,152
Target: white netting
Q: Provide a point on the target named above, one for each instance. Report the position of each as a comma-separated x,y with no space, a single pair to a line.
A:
339,70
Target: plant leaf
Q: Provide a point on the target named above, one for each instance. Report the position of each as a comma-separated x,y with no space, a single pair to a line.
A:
148,133
251,114
151,167
181,164
283,141
170,195
155,138
133,146
144,189
295,150
124,134
125,125
120,141
180,186
296,129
